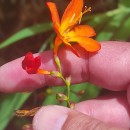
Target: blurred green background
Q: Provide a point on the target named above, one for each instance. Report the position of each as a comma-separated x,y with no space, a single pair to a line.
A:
25,25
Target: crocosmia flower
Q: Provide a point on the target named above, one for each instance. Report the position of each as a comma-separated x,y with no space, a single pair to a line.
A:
31,64
68,29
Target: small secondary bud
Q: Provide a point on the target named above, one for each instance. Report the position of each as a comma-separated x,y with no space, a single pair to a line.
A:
57,60
22,113
61,97
49,91
68,80
72,105
81,92
27,127
55,74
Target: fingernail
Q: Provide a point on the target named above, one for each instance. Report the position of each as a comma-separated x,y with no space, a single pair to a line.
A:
50,118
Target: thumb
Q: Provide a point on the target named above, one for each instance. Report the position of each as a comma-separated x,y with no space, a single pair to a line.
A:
61,118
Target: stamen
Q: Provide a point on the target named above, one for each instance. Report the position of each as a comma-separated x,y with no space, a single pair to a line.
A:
67,31
80,17
87,9
72,18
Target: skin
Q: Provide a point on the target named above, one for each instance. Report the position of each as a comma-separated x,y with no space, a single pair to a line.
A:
109,68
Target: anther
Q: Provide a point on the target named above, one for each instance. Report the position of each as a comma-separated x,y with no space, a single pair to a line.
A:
72,18
87,9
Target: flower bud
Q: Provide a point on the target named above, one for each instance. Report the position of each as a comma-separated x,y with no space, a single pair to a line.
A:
68,80
72,105
55,74
27,127
57,60
49,91
61,97
81,92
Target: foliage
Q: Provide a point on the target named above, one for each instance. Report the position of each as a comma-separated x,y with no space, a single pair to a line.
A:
25,33
9,104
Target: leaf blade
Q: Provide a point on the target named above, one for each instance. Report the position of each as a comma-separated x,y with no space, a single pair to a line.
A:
25,33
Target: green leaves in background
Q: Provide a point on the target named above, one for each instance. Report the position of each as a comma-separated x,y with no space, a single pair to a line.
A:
27,32
112,25
91,91
8,105
125,3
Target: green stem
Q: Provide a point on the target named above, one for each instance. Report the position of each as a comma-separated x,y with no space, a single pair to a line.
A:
57,61
68,95
68,91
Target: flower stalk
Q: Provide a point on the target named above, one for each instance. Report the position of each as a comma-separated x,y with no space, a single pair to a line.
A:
66,81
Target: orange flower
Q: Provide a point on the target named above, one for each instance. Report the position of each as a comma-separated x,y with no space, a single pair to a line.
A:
68,30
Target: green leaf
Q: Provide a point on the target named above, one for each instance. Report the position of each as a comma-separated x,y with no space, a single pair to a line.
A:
125,3
50,100
8,105
91,91
46,43
112,25
27,32
124,32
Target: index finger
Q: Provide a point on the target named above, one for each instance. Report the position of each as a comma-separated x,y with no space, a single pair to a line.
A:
109,68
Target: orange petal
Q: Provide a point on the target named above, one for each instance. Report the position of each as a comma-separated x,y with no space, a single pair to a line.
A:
54,15
72,14
82,30
58,42
87,43
73,50
41,71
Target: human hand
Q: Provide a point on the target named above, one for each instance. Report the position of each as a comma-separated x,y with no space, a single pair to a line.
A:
109,68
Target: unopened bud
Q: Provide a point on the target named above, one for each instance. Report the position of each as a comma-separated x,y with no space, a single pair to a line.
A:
22,113
72,105
61,97
55,74
68,80
27,127
49,91
81,92
57,60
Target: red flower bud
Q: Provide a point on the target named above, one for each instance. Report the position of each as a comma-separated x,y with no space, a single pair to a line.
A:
31,64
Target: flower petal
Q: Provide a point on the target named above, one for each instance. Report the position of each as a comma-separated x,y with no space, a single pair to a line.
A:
73,49
54,15
41,71
72,14
87,43
31,64
82,30
58,42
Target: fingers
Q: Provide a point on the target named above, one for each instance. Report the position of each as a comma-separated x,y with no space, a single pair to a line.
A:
61,118
113,108
19,80
109,68
15,79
